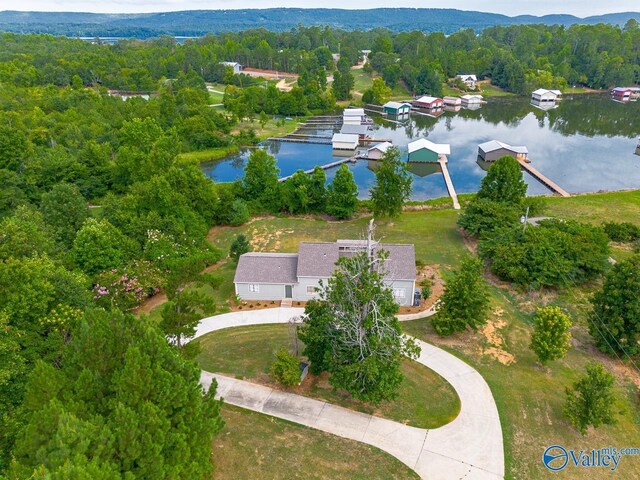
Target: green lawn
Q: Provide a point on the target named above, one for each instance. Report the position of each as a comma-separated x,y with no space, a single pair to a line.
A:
210,154
434,233
257,446
598,207
272,128
363,80
425,400
215,97
530,397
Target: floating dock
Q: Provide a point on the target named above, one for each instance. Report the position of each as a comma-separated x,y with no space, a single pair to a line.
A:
447,180
325,167
535,173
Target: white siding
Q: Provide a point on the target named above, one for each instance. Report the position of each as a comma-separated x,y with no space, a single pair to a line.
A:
265,291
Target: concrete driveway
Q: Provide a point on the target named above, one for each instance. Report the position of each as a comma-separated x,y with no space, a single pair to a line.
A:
469,447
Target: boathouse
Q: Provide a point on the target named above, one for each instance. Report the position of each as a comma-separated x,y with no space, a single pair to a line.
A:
353,116
542,96
345,141
423,150
470,101
396,108
377,151
428,102
493,150
361,130
452,101
621,94
469,80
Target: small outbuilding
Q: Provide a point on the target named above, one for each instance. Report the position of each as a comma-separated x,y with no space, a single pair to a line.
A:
452,101
428,102
377,151
237,68
493,150
361,130
353,116
621,94
423,150
345,141
396,108
469,80
542,96
469,101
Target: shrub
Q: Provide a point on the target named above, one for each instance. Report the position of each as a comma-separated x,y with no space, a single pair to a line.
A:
550,340
238,213
240,246
286,369
591,400
426,288
621,232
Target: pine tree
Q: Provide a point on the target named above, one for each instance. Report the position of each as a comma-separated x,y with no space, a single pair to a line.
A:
393,185
465,301
122,404
342,194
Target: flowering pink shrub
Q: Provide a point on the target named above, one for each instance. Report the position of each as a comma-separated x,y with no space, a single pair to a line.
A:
126,288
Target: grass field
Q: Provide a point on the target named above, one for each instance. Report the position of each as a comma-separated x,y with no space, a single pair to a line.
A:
434,233
210,154
271,129
364,80
529,397
425,399
261,447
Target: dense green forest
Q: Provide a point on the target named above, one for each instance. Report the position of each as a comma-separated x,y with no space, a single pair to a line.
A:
98,211
201,22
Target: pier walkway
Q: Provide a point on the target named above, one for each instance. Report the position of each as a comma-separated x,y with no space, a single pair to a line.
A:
326,166
547,182
447,180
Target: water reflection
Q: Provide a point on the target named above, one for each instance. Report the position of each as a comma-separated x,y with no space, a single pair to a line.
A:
585,144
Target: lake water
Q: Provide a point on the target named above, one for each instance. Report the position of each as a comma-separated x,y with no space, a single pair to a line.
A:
586,144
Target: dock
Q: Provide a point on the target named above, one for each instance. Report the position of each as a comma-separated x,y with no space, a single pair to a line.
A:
326,166
447,180
535,173
318,141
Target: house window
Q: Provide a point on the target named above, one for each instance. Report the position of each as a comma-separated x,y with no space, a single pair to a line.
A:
254,288
311,289
399,292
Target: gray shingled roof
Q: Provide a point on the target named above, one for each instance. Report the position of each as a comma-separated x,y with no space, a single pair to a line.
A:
267,268
319,259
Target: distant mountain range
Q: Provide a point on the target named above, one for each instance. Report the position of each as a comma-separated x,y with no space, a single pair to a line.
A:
200,22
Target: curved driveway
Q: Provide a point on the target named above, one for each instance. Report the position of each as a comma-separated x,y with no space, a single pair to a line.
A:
469,447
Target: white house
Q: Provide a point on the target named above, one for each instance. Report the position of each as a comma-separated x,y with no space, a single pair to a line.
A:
361,130
469,80
377,151
277,276
345,141
237,68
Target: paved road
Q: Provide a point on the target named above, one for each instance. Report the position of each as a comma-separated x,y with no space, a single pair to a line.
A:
469,447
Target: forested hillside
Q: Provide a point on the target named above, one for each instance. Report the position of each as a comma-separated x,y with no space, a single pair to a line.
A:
99,210
201,22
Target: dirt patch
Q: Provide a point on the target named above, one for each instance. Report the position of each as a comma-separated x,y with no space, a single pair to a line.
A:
151,303
470,243
492,334
263,237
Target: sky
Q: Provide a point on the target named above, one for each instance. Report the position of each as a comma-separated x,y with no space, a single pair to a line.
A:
580,8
